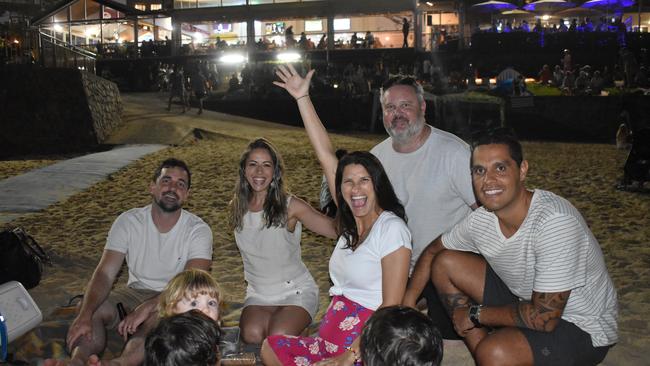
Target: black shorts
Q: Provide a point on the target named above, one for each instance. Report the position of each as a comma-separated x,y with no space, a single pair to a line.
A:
438,314
566,345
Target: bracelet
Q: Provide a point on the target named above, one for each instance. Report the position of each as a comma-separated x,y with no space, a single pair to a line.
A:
306,95
354,353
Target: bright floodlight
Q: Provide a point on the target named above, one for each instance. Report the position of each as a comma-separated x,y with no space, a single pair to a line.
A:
198,37
546,17
233,58
288,56
58,28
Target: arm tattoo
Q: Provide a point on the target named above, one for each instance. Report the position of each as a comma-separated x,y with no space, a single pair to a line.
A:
542,313
453,301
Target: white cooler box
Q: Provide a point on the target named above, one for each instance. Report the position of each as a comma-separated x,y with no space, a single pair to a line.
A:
20,312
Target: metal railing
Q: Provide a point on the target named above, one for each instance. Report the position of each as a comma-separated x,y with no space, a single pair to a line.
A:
57,53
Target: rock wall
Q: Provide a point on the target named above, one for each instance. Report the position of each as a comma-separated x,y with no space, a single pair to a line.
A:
55,110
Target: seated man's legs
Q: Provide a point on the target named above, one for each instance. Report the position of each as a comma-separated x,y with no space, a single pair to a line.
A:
438,314
465,278
107,317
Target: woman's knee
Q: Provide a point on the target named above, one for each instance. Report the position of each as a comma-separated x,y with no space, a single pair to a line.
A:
252,333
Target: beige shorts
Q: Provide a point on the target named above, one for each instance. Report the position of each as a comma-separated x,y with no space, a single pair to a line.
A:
130,299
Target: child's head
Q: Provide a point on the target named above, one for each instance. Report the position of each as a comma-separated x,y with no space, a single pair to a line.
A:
191,289
190,338
399,336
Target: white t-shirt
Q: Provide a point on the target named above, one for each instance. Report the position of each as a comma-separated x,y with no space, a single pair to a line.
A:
553,251
433,183
357,274
154,258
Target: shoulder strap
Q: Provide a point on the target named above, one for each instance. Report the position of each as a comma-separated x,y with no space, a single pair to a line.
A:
32,245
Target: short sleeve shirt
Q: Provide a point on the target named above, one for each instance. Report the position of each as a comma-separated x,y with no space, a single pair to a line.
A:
433,183
552,251
153,258
357,274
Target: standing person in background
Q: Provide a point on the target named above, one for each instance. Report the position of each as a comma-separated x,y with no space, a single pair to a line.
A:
198,83
282,296
177,89
406,25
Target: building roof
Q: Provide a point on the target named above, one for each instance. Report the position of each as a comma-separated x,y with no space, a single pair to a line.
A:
65,3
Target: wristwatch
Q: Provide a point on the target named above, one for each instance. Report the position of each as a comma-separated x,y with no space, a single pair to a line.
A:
475,314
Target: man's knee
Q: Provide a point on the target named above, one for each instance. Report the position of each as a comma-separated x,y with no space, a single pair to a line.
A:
502,350
443,265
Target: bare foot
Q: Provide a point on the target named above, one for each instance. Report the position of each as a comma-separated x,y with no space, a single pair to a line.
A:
94,360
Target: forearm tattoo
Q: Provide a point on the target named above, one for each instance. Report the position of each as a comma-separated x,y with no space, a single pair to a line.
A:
453,301
542,313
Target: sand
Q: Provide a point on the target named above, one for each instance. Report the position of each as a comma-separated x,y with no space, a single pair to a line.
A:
74,231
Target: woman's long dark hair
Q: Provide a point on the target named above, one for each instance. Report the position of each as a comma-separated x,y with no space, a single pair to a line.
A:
385,195
275,204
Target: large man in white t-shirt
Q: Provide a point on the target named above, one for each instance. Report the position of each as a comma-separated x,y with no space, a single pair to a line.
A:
157,241
429,170
525,266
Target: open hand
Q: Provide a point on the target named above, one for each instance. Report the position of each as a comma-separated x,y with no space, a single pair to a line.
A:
81,327
292,82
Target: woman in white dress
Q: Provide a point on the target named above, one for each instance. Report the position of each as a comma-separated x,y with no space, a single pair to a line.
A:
282,296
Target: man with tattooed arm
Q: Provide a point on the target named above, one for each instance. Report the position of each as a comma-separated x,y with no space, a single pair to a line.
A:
523,277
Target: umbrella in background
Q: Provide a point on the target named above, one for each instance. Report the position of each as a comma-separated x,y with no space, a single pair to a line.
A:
516,14
579,13
548,6
608,5
492,6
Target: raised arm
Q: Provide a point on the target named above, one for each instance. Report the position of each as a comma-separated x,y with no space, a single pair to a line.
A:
298,88
311,218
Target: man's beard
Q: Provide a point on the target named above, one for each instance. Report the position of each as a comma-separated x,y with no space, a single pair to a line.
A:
168,206
407,134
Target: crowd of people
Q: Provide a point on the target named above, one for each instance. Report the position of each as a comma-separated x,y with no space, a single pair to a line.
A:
575,79
574,25
423,217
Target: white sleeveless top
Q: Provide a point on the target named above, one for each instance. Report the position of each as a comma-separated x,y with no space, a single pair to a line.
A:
270,255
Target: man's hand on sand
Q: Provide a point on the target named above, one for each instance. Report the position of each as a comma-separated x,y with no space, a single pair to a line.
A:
292,82
81,327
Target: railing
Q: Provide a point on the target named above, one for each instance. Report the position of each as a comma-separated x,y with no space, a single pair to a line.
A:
57,53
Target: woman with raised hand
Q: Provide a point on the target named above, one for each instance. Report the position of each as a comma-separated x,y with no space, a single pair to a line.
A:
369,265
282,296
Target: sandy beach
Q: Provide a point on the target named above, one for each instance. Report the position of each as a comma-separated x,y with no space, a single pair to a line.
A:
74,231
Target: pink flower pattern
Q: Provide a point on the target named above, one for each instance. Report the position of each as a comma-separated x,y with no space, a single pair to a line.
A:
331,347
349,323
338,330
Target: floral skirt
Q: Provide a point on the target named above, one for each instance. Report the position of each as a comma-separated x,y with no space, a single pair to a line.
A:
341,325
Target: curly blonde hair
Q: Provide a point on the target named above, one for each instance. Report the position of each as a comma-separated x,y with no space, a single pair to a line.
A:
187,284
